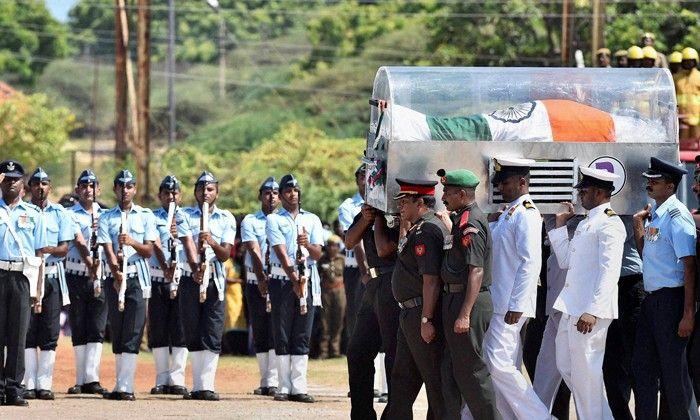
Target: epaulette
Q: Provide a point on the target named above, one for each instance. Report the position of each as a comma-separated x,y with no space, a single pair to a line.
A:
674,212
610,212
528,205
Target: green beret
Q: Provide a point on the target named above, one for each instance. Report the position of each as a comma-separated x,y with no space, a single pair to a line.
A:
458,178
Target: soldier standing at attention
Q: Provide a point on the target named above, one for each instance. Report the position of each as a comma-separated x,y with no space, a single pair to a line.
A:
517,251
135,240
203,319
466,301
416,287
166,337
44,327
85,278
296,237
257,262
665,235
23,235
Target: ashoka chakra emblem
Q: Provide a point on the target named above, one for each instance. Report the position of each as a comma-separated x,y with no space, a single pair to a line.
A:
515,113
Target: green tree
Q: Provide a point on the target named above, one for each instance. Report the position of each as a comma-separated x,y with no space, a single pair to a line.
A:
29,39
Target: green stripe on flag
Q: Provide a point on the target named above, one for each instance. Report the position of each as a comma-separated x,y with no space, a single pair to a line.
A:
471,128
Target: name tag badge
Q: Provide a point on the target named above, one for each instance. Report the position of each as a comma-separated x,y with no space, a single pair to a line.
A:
25,222
651,234
448,242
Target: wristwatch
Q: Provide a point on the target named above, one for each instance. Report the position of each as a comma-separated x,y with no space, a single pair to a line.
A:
425,320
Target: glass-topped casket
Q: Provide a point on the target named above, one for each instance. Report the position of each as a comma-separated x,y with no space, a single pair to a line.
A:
427,118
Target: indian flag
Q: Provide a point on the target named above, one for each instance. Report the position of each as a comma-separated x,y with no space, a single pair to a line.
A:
537,121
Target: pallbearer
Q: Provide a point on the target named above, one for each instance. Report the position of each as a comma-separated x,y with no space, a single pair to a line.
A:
202,286
290,230
165,335
126,232
257,263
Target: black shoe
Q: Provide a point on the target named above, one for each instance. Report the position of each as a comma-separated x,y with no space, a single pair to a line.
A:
127,396
304,398
208,396
92,388
194,395
271,391
263,390
44,394
177,390
29,394
15,400
116,396
159,390
75,389
188,396
281,397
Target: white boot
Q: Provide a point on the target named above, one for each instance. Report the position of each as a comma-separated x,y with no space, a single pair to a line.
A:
210,361
382,368
196,370
128,371
298,375
271,378
161,355
79,352
118,372
93,356
263,363
44,377
284,372
30,368
378,372
178,363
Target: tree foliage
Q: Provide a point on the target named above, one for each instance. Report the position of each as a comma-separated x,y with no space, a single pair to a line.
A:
29,39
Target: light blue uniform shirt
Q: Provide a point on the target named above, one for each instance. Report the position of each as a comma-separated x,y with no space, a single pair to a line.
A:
222,226
28,224
83,222
348,210
183,229
59,227
668,237
282,229
142,228
253,230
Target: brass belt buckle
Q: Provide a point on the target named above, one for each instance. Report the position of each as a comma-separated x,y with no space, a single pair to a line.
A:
373,273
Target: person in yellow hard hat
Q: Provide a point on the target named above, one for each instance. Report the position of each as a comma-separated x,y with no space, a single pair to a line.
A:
648,40
603,57
674,63
634,57
688,95
649,57
621,58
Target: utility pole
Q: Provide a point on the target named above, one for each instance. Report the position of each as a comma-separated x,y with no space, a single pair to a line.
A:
170,72
120,51
596,30
143,59
565,36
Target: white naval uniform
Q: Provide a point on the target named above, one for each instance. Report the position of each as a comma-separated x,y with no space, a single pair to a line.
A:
517,259
593,259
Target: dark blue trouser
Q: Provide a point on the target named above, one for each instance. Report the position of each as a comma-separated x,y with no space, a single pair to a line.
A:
164,324
203,323
259,319
15,305
659,359
45,327
291,329
87,313
126,327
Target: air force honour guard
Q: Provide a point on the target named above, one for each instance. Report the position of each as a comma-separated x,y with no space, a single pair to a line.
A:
165,335
45,324
257,265
466,303
202,289
85,278
296,238
588,300
665,235
126,232
22,236
517,259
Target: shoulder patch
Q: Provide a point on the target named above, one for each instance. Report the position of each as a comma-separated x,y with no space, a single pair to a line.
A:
419,250
528,204
610,212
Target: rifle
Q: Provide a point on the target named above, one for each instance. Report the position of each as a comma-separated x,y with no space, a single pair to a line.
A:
204,227
172,247
40,280
268,270
301,271
123,228
95,250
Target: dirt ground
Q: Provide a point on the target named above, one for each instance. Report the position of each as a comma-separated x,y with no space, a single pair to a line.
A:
235,380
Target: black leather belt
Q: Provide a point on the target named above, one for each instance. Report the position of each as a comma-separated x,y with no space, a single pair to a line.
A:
375,272
459,288
411,303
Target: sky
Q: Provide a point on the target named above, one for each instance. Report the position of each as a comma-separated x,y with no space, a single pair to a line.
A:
59,8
